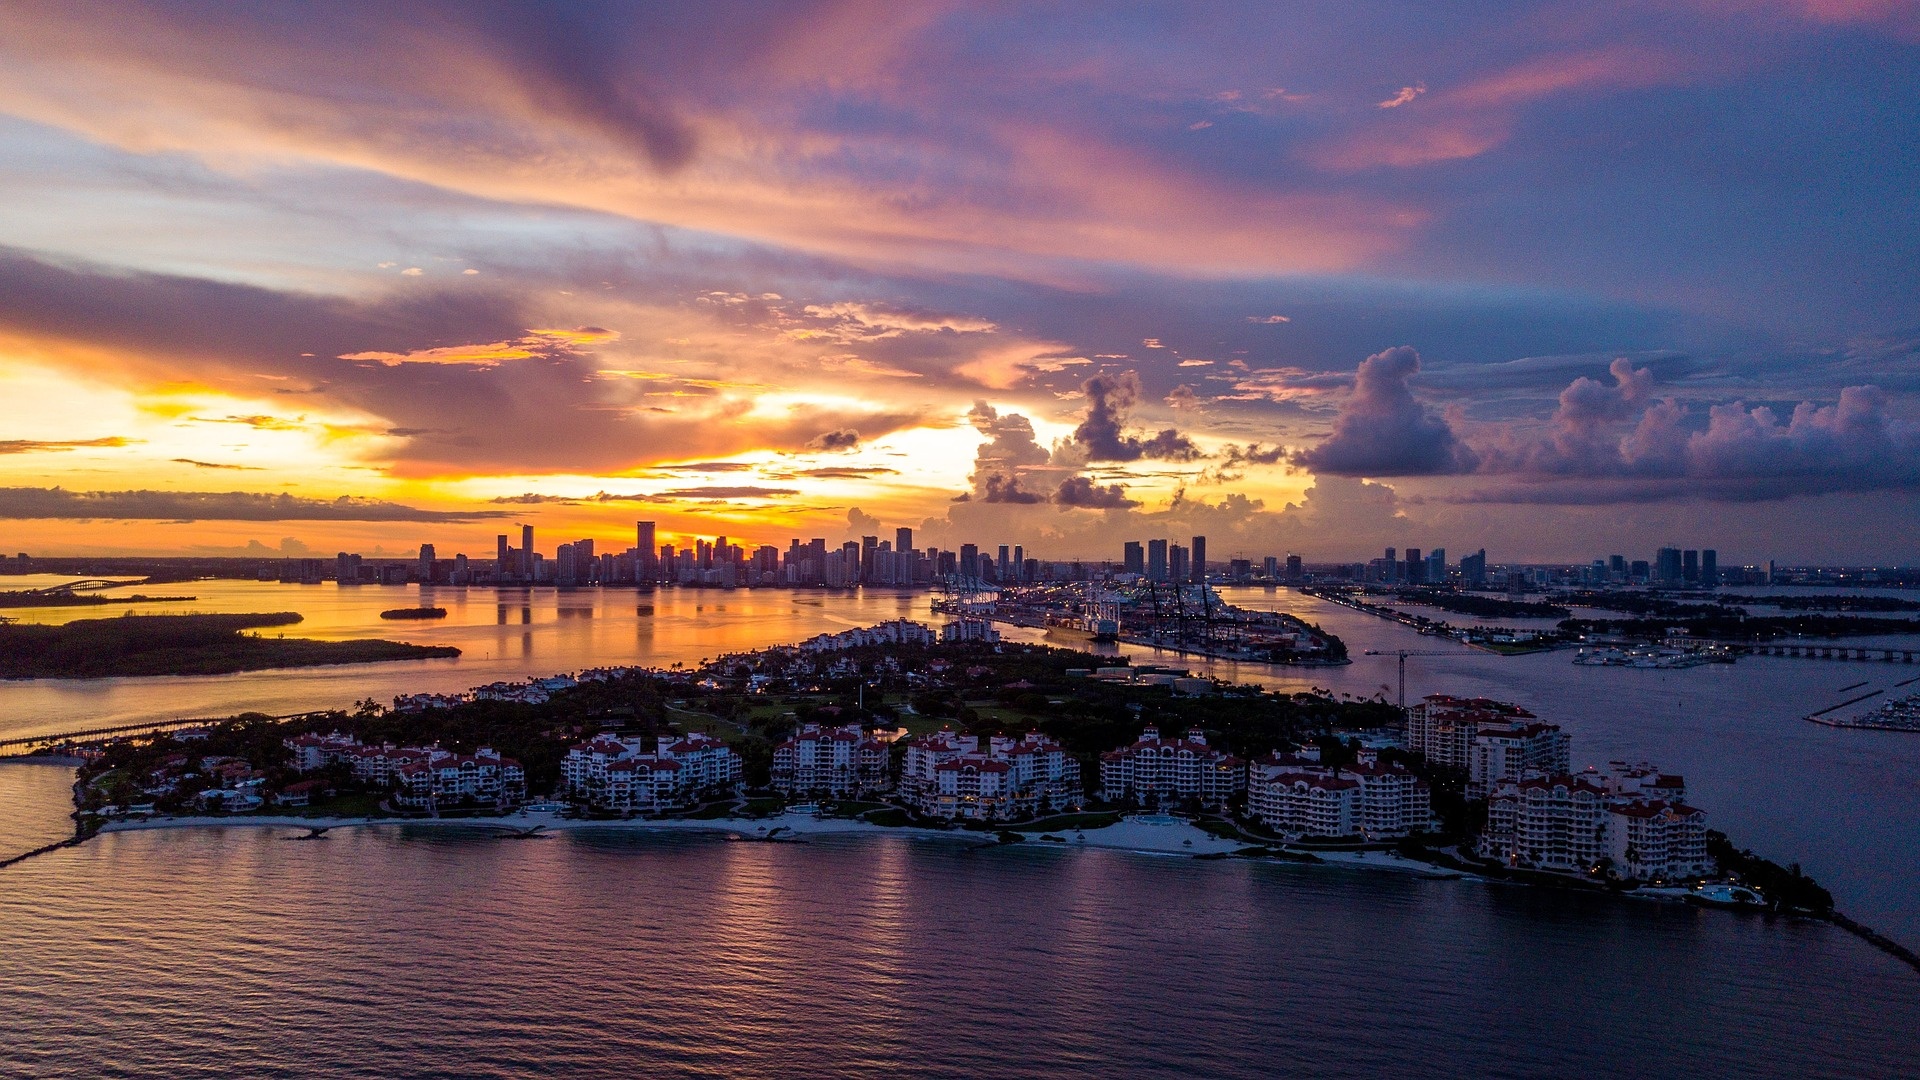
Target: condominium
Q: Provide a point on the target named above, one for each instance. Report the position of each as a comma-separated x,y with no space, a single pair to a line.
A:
1491,740
609,773
483,777
1297,795
1169,771
836,761
1630,819
949,775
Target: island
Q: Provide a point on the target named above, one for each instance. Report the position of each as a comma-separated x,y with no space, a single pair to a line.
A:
414,613
132,645
896,728
38,598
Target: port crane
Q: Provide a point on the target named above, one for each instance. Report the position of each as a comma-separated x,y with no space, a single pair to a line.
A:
1403,654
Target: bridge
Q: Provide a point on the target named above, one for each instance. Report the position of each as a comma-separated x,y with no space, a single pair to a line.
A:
67,588
1808,651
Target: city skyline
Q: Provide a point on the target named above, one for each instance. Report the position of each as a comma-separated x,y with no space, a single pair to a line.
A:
1576,278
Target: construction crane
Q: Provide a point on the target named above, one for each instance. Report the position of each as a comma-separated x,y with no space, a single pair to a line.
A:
1403,654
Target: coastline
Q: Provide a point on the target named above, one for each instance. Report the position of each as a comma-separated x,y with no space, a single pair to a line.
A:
1132,834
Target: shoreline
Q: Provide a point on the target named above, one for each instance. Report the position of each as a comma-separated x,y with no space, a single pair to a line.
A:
1130,834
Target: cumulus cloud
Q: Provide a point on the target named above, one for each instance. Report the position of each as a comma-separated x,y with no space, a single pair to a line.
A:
843,439
26,503
1102,434
1083,493
999,488
1382,430
1612,443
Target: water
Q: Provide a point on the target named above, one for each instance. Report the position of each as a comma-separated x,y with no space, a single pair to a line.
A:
390,951
1845,804
384,952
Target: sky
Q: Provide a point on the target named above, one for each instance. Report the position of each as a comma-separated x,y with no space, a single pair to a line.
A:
1556,280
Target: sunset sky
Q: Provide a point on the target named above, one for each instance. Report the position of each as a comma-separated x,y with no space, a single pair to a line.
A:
1559,280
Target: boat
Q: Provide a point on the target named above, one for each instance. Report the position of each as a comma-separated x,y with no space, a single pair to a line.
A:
1081,628
1727,896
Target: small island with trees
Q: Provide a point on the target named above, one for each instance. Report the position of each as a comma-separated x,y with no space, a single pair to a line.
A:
414,613
133,645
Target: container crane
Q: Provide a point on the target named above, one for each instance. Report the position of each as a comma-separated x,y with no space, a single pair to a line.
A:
1403,654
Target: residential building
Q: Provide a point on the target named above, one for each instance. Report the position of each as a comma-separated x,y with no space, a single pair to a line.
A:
1491,740
949,775
837,761
1295,794
1170,771
445,778
610,773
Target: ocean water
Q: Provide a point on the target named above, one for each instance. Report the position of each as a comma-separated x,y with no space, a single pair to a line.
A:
396,952
1844,804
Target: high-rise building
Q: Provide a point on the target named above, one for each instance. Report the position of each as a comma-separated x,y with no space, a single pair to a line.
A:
1473,568
969,560
1666,567
1617,565
1133,558
1295,569
1710,568
1177,563
500,550
1019,562
1199,559
1415,570
646,545
1437,565
1690,566
1638,570
1156,560
526,553
424,572
902,540
1270,567
1002,569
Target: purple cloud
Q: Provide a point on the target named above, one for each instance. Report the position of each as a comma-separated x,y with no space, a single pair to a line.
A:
1382,430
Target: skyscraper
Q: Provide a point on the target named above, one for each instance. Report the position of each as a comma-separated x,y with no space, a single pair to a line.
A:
1690,566
1666,566
1295,569
1415,570
500,549
1437,565
1177,563
526,553
1199,559
969,560
1133,559
646,543
1710,568
424,573
1474,568
1002,569
902,540
1019,562
1156,560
